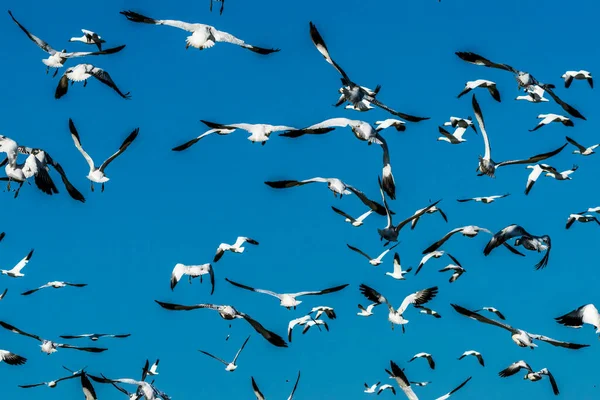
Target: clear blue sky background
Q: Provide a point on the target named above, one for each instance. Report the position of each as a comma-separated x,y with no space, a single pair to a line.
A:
162,207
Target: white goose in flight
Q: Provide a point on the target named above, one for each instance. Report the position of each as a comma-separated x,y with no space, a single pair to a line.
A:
481,83
536,172
260,396
148,369
427,257
320,310
373,261
202,37
524,238
11,358
581,75
15,272
426,356
584,151
229,313
519,336
50,384
234,248
96,174
432,210
362,130
366,312
452,138
96,336
456,268
385,387
259,133
334,184
562,176
390,123
89,37
398,273
57,58
54,285
288,300
475,354
356,222
487,166
550,118
192,271
530,375
81,72
372,388
396,316
297,321
581,218
534,94
457,122
147,389
586,314
190,143
229,367
49,346
469,231
485,199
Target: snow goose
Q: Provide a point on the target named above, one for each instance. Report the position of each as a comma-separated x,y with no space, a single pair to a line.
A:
581,74
530,375
11,358
536,172
373,261
530,242
373,205
334,184
581,218
390,123
96,174
58,58
489,85
234,248
493,310
456,389
192,271
81,72
519,336
314,322
398,273
188,144
586,314
288,300
147,389
386,387
538,244
260,396
456,268
50,384
353,221
584,151
432,210
487,166
428,311
427,257
320,310
534,94
89,37
395,316
362,130
426,356
398,374
54,285
366,312
474,354
485,199
469,231
96,336
562,176
229,367
359,96
457,122
87,387
202,37
452,138
259,133
297,321
372,388
387,179
549,118
48,346
148,369
15,272
229,313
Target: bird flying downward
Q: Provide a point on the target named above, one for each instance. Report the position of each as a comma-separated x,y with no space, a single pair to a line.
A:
260,396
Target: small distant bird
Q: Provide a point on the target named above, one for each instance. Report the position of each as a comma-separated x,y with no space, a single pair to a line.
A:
3,294
456,268
319,310
288,300
81,72
584,151
581,218
586,314
259,133
581,74
469,231
89,37
431,210
493,310
372,388
15,272
475,354
530,375
192,271
549,118
334,184
234,248
484,200
373,261
386,387
96,174
54,285
427,356
562,176
202,37
48,346
353,221
427,257
428,311
489,85
398,273
452,138
399,125
534,94
366,312
297,321
457,122
148,369
190,143
11,358
50,384
260,396
96,336
536,172
229,367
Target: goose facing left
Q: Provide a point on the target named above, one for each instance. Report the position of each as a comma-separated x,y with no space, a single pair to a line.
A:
202,37
82,72
89,37
229,366
58,58
15,272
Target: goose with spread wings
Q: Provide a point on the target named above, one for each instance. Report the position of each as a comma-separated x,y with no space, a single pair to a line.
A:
82,72
530,375
96,336
57,59
229,313
288,300
202,37
456,268
432,210
396,316
373,261
481,83
524,238
231,366
487,166
357,95
96,174
550,118
584,151
356,222
398,273
520,337
49,346
193,271
89,37
582,218
469,231
147,389
54,285
260,396
484,199
50,384
237,247
426,356
586,314
475,354
362,130
580,75
259,133
15,272
400,377
190,143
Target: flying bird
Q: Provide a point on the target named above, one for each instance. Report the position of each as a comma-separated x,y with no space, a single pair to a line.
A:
96,336
584,151
484,200
426,356
356,222
11,358
452,138
581,218
399,125
530,375
54,285
148,369
320,310
81,72
334,184
362,130
372,388
234,248
50,384
297,321
89,37
431,210
229,367
586,314
481,83
385,387
96,174
192,271
202,37
260,396
428,311
538,244
536,171
259,133
580,75
427,257
469,231
15,272
190,143
474,354
457,122
501,237
147,389
373,261
398,273
229,313
534,94
366,312
562,176
493,310
550,118
456,268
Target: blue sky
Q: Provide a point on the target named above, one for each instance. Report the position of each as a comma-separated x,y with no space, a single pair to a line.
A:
162,207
